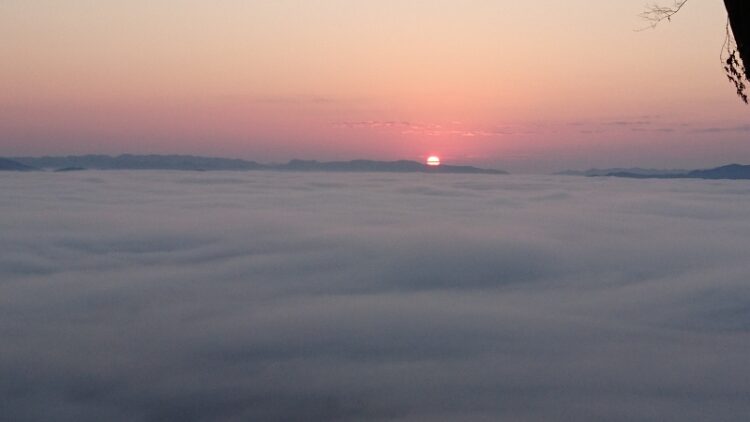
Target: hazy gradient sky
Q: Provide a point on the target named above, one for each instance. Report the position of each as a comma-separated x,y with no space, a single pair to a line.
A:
527,86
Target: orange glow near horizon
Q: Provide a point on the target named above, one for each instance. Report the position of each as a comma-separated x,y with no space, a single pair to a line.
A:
381,79
433,160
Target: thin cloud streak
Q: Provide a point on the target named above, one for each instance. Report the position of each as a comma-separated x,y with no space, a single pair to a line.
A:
454,128
722,129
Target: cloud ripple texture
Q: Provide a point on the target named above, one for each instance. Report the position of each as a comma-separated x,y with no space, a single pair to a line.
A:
260,296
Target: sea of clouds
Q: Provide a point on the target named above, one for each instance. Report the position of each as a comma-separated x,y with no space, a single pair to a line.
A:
262,296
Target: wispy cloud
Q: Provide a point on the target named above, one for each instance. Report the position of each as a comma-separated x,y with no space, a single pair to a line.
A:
641,124
454,128
373,124
297,99
642,120
723,129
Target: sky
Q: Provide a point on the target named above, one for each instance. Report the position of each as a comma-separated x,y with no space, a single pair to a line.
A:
142,296
525,86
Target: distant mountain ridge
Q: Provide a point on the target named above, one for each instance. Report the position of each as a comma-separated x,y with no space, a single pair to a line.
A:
138,162
728,172
197,163
401,166
12,165
636,171
732,171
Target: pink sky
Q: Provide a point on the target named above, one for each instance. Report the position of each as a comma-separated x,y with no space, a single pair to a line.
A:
525,86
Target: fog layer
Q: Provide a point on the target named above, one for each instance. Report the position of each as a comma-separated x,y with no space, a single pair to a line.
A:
160,296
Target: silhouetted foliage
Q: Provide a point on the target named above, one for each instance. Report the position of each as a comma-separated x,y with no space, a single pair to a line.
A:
735,71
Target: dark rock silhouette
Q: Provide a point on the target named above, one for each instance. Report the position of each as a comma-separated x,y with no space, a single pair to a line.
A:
739,20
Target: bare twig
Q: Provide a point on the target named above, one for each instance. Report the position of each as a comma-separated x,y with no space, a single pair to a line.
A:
655,13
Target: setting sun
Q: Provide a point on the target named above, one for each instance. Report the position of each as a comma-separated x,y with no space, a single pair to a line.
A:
433,160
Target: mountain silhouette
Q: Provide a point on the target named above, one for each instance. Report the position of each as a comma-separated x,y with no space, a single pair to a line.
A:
728,172
139,162
196,163
11,165
401,166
